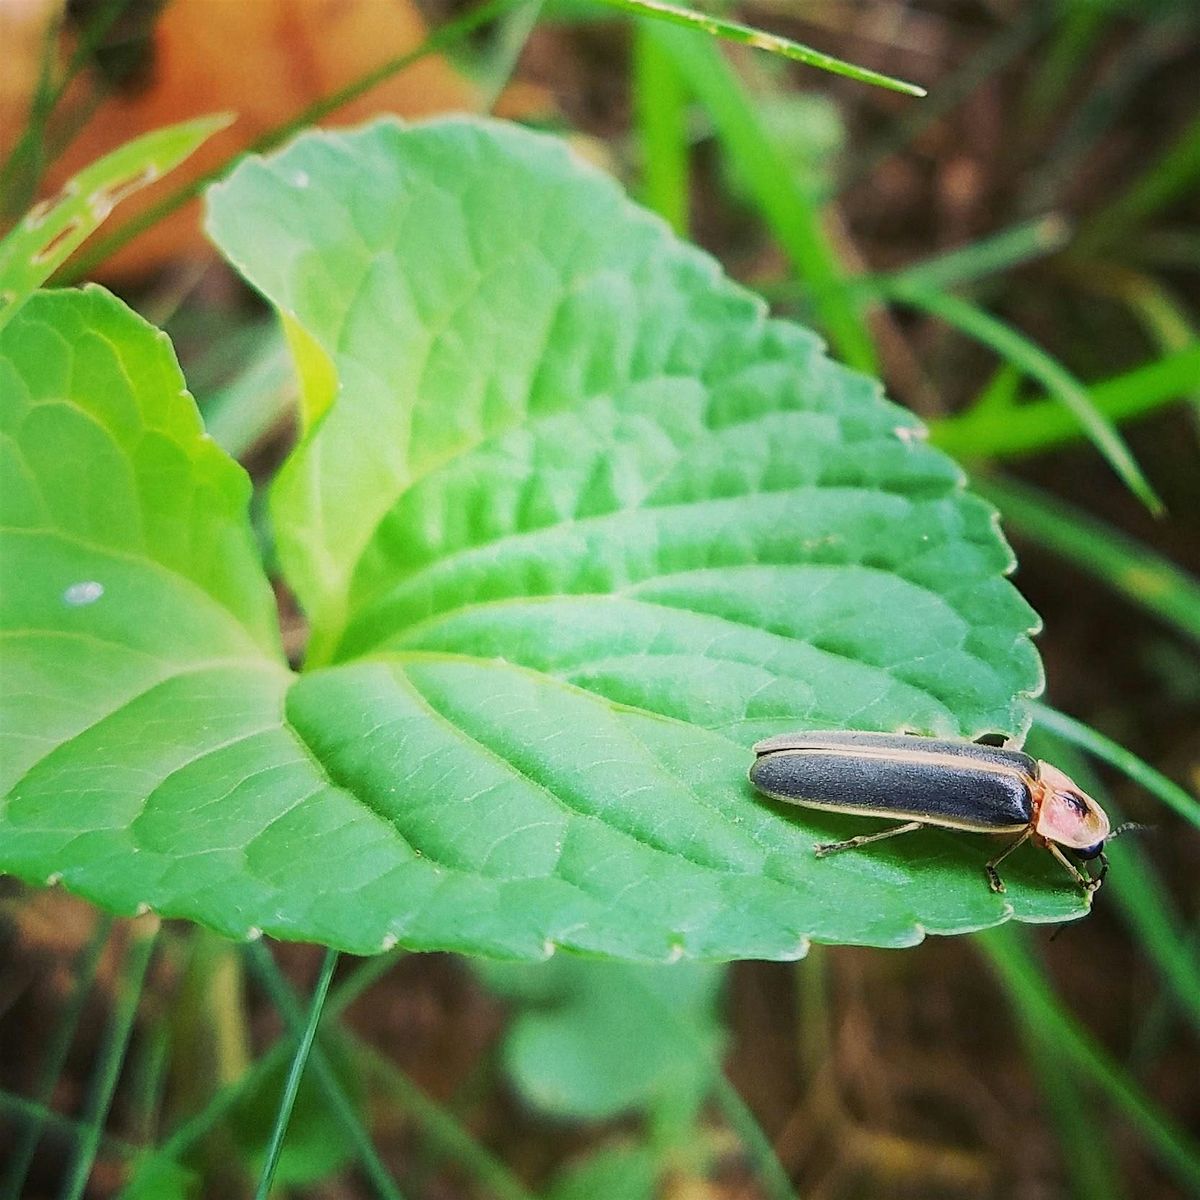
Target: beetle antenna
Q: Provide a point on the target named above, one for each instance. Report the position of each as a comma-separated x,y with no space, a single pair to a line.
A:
1128,827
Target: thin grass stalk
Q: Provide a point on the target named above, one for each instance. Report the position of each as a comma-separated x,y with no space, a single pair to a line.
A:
287,1099
84,973
1042,424
791,212
344,1112
660,113
759,39
1017,349
1038,1007
1142,576
142,938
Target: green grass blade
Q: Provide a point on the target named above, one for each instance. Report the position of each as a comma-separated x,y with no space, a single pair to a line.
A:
1087,1160
344,1112
513,30
1174,173
441,1129
660,113
1125,761
761,40
1017,349
112,1056
1113,559
190,1131
242,411
84,974
759,1151
989,256
1012,40
22,172
67,1129
1079,26
1042,424
449,34
292,1085
1040,1009
1156,928
791,213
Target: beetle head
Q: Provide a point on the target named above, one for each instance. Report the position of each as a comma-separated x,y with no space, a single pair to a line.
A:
1068,815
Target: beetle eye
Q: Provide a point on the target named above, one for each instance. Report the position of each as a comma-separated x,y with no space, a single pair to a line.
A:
1076,804
1090,851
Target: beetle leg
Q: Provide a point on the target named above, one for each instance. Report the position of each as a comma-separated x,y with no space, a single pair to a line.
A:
994,880
1088,885
824,848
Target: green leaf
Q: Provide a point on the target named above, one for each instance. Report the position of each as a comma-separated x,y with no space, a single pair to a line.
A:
579,524
51,232
592,1041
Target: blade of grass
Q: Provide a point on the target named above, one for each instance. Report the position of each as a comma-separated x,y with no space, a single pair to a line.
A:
142,936
791,213
223,1100
1115,560
440,39
67,1129
1125,761
284,999
1119,81
988,256
514,30
1079,26
999,396
1164,319
1010,40
1041,424
1017,349
1040,1009
1157,929
1156,1019
1171,176
660,113
759,1150
1086,1159
1173,248
22,168
238,415
761,40
439,1126
761,1153
305,1031
22,173
84,976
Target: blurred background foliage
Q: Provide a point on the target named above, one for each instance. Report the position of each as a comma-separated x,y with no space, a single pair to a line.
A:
1016,255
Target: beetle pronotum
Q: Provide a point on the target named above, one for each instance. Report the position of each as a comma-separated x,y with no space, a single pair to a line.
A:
956,785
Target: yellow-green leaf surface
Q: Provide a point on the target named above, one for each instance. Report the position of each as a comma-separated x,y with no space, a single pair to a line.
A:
578,524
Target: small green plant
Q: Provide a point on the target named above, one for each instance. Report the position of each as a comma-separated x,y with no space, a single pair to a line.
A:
573,522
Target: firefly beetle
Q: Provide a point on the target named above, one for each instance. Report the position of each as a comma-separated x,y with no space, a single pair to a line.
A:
923,781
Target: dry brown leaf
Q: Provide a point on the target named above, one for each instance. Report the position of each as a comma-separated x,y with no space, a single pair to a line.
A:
264,61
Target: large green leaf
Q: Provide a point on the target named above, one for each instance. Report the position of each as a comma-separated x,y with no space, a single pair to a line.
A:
574,523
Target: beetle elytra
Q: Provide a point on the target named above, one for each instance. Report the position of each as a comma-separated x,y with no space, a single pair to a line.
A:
923,781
